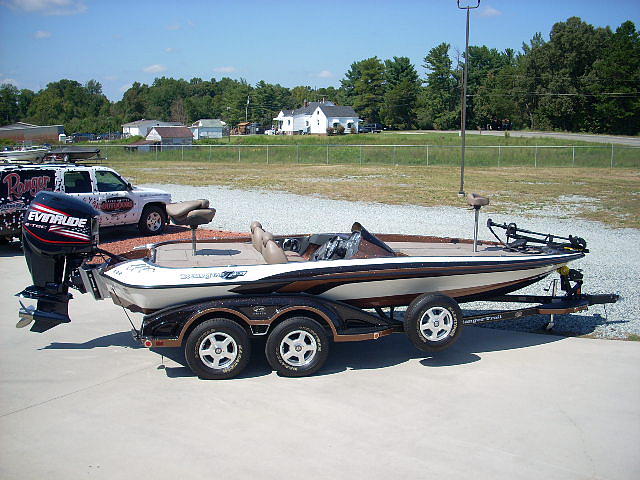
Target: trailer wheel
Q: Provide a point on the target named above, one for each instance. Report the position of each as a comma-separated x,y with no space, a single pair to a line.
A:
297,347
433,322
217,349
152,221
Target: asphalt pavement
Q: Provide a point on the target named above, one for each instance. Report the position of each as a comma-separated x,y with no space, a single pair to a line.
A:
83,400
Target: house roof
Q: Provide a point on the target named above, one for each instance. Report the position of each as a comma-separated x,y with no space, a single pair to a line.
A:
209,122
21,125
173,132
338,111
150,122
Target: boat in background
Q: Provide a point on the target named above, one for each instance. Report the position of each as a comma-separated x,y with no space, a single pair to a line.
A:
33,154
73,153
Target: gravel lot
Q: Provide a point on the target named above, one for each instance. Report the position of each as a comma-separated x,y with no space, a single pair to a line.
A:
611,267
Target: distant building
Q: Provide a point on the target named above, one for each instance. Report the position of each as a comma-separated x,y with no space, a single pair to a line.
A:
26,132
209,128
168,136
143,127
316,117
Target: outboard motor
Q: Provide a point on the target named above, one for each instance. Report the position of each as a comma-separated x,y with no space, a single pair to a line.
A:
58,233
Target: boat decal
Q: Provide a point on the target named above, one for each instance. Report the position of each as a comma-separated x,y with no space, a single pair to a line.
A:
228,275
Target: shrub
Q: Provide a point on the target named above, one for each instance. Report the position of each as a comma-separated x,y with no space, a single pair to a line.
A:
329,130
353,130
340,130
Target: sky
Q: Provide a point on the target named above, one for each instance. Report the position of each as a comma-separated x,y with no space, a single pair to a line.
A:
279,41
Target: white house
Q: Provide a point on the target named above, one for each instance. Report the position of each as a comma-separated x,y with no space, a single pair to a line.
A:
209,128
143,127
171,136
316,117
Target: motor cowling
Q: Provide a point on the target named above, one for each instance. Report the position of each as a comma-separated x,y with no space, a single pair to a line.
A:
58,233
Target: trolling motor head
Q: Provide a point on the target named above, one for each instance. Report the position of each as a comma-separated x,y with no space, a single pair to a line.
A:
58,233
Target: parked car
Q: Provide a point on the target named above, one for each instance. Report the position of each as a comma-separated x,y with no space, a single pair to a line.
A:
117,201
371,128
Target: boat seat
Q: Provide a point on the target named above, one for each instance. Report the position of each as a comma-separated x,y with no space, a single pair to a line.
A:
256,238
191,214
272,253
477,201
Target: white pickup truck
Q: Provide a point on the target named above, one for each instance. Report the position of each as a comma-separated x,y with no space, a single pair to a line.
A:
117,201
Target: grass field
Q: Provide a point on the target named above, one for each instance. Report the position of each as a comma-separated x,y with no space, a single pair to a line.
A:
394,149
607,195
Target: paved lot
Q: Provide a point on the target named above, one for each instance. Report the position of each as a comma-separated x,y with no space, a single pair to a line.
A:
83,400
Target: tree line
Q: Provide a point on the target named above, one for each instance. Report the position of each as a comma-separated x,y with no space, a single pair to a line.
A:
583,78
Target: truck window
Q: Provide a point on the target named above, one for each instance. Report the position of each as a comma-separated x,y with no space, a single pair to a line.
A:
77,182
109,182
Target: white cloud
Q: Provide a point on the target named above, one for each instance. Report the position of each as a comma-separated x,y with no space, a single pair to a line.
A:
111,78
125,87
12,81
174,26
155,68
323,74
48,7
489,11
169,50
228,69
42,34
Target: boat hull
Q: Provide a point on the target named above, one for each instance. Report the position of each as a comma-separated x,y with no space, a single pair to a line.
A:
145,287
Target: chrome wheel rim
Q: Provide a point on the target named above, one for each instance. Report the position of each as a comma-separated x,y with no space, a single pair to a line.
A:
298,348
218,350
154,221
436,324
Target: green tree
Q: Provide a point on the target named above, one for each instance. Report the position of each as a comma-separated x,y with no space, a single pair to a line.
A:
402,84
363,88
439,104
9,109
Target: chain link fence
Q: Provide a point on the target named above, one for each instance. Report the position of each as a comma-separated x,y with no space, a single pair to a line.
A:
605,156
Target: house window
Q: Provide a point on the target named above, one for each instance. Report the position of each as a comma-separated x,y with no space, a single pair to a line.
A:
335,124
318,122
350,125
288,122
307,123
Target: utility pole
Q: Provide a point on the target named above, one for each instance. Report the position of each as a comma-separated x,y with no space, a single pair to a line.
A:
463,119
246,110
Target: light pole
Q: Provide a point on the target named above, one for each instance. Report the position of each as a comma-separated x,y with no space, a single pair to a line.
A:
463,118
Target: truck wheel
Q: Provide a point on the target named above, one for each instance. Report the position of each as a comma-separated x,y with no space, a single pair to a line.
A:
152,221
297,347
217,349
433,322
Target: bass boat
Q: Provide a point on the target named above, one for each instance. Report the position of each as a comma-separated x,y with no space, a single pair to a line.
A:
330,279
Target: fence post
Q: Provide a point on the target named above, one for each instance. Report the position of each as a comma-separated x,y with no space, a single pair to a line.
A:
267,154
360,154
182,151
535,158
499,154
155,147
209,152
611,155
394,155
573,156
238,153
297,153
427,155
327,154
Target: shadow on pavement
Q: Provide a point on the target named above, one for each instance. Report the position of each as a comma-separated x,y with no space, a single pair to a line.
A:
368,355
120,339
12,249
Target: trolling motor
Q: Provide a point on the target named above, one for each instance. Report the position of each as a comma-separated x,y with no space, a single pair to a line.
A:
58,233
519,238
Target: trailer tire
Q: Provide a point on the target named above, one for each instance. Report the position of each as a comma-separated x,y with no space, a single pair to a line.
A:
217,349
297,347
153,220
433,322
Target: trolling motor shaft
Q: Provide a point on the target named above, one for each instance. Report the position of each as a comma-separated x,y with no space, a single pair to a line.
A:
477,202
